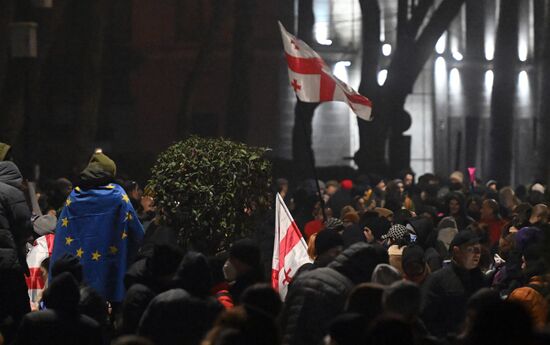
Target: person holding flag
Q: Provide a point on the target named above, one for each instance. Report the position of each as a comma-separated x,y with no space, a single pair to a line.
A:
100,227
289,249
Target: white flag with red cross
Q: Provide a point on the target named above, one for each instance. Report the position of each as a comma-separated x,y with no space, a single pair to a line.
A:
41,249
313,81
289,249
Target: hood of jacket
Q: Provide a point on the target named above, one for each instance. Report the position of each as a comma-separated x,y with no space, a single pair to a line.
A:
194,275
10,174
101,170
358,261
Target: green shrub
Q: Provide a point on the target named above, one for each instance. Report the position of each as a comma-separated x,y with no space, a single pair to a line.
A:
210,191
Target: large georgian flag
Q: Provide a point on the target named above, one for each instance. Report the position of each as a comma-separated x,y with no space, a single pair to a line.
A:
289,249
313,81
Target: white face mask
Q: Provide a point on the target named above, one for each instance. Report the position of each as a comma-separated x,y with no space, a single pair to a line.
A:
229,272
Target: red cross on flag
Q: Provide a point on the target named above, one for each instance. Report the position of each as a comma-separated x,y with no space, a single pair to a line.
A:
313,81
289,249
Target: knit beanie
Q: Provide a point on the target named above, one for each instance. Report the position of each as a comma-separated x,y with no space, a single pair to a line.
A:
327,239
247,251
67,263
99,167
44,224
4,149
346,184
63,293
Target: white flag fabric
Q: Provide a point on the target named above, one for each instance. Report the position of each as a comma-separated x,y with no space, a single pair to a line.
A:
41,249
313,80
289,249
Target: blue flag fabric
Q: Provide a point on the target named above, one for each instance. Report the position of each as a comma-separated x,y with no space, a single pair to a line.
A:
101,228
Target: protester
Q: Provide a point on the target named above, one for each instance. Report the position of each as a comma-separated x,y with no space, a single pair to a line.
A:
60,323
243,267
99,204
320,295
490,215
15,230
453,285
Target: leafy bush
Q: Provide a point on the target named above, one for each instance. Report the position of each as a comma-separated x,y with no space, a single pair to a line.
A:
210,190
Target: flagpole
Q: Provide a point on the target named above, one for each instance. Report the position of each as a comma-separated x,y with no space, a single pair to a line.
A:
312,162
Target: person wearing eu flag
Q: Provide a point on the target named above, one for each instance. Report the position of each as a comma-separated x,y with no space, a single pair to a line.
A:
100,227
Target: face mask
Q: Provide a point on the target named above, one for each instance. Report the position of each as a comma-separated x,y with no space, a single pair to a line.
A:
229,272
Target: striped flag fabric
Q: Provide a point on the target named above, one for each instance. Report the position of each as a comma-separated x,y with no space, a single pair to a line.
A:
289,249
313,81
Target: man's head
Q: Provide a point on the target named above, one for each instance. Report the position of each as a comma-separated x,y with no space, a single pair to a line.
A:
539,214
489,209
328,244
408,179
244,256
331,187
492,185
413,263
466,249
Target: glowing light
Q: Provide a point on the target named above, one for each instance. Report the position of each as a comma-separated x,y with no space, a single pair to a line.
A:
382,75
454,79
440,68
457,56
523,83
489,48
386,49
489,78
522,50
441,43
321,34
340,70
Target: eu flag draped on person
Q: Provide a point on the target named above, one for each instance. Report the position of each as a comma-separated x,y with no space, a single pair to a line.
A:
99,226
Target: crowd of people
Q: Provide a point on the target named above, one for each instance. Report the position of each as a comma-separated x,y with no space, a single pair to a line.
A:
393,261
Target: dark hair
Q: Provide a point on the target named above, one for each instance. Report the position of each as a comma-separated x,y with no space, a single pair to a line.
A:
262,297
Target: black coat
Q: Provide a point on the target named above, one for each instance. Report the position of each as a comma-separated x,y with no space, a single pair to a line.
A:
446,293
176,318
317,296
58,328
14,299
15,215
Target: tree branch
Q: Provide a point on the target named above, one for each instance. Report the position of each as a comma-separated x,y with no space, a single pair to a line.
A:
437,25
418,15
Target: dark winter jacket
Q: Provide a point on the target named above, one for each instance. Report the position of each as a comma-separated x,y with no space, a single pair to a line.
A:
14,299
317,296
446,293
14,212
176,318
61,323
134,305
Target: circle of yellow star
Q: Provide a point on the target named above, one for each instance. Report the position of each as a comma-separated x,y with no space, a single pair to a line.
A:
113,249
124,235
68,240
77,189
96,256
128,216
79,252
125,198
68,202
110,186
65,222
